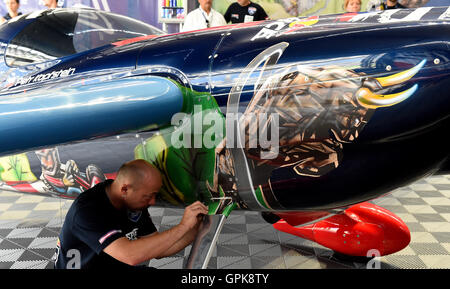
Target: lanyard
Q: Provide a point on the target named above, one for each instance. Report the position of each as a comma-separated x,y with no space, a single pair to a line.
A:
206,19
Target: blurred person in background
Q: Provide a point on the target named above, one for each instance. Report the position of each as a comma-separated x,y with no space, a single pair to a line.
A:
352,6
13,10
51,3
376,5
203,17
245,11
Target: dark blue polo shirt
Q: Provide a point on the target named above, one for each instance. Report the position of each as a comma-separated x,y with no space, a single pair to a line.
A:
91,224
237,13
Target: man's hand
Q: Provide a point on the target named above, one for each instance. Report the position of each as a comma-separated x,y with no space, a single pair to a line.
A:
193,214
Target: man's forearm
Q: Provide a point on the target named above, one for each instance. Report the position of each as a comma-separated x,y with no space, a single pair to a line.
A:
158,244
164,241
146,247
187,239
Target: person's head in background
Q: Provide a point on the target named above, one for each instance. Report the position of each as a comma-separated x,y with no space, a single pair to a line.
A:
13,7
393,2
51,3
352,5
205,5
243,2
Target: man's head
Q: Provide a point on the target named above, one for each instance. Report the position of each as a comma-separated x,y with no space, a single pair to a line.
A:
138,183
243,2
51,3
12,5
206,5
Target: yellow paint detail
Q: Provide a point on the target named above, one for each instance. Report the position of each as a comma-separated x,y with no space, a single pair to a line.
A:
401,76
16,168
305,22
371,100
158,158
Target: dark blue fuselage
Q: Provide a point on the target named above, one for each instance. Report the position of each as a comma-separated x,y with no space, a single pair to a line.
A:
398,145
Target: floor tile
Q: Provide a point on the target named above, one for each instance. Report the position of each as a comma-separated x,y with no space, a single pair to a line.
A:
30,225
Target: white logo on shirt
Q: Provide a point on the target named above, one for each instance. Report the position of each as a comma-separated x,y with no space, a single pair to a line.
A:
248,18
132,235
251,10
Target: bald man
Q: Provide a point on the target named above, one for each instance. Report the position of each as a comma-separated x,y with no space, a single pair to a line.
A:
108,226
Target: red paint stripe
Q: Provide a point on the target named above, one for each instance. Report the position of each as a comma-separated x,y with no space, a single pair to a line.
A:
111,176
82,182
133,40
224,27
54,181
23,187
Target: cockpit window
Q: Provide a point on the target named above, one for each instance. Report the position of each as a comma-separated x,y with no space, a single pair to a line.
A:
63,32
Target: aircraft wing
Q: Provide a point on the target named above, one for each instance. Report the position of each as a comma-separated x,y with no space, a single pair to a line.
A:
81,112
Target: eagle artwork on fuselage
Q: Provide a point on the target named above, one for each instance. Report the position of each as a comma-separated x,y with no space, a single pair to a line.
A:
310,111
304,120
315,111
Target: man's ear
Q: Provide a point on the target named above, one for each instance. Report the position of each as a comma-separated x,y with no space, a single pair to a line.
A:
124,190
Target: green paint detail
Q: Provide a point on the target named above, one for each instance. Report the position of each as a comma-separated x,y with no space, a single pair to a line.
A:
185,168
226,212
154,150
221,192
188,98
212,208
16,168
260,198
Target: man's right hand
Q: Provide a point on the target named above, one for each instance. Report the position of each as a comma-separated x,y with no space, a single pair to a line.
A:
192,215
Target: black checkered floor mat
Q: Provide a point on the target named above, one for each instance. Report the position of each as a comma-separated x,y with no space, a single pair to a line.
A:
29,226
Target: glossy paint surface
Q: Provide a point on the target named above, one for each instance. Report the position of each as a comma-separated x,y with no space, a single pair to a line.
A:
361,101
361,230
87,111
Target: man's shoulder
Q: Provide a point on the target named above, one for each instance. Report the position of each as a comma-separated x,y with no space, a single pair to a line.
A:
92,196
234,5
256,5
93,204
215,12
192,16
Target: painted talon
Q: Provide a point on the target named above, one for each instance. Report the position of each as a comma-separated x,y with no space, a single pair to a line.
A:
401,76
368,99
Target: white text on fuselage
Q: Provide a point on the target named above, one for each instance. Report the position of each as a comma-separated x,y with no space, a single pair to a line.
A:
297,25
45,76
